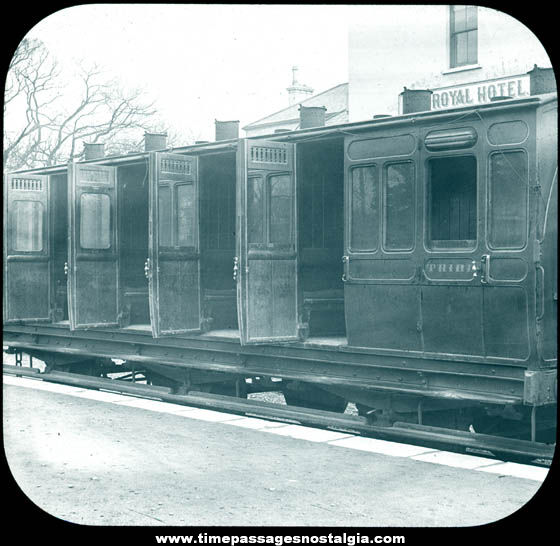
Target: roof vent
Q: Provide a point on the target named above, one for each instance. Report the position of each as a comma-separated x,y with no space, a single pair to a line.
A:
94,150
311,116
227,130
416,100
542,80
155,141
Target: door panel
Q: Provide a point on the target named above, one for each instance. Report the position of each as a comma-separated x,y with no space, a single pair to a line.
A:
27,250
382,299
93,290
506,275
173,266
267,266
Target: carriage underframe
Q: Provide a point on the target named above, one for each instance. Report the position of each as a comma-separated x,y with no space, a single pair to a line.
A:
457,393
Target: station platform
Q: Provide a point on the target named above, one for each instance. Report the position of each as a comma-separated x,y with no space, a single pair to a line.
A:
101,458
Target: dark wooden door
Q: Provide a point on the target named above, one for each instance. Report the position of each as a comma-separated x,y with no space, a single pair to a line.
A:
27,249
506,277
383,246
173,265
266,263
93,263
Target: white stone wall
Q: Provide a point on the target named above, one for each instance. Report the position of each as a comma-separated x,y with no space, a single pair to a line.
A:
409,46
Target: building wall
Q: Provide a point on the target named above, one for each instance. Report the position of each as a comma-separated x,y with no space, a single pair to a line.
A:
409,46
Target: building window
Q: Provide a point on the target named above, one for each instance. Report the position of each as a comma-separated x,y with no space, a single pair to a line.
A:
463,24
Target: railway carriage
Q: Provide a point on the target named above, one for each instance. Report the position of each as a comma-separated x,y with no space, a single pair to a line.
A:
406,264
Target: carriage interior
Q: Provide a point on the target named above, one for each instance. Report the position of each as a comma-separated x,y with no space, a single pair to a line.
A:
320,178
320,240
133,201
59,199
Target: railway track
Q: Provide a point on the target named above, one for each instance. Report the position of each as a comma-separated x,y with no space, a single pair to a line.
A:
506,449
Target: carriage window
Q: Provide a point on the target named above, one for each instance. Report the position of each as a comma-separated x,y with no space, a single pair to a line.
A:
27,226
399,206
95,221
508,200
365,208
255,210
452,202
185,215
280,208
164,216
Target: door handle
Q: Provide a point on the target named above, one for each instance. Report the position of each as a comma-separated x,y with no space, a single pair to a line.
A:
66,269
345,261
485,268
235,268
475,270
147,268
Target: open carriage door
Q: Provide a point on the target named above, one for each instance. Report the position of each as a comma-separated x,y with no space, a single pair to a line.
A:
93,253
266,266
27,252
173,265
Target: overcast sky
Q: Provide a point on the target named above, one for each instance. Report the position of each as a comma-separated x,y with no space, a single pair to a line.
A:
201,62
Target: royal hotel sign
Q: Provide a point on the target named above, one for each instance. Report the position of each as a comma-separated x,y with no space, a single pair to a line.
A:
480,92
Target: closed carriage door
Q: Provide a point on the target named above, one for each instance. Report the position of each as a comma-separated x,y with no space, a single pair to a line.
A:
93,254
267,261
173,266
452,317
506,273
27,253
381,294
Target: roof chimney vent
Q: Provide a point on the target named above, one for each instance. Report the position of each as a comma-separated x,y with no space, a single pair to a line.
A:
227,130
155,141
542,80
93,150
416,100
311,116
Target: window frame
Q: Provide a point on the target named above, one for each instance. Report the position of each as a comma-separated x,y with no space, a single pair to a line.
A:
490,207
454,34
414,198
172,212
12,250
267,244
175,228
379,219
451,244
81,218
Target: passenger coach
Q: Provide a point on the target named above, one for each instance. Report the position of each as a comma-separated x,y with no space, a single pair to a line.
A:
403,263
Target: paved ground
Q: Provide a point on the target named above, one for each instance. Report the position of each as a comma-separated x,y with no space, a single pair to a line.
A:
104,459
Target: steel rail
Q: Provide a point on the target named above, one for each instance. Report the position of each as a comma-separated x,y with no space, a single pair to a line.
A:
504,448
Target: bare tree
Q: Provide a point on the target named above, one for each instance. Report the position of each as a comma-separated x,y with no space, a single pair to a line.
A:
29,91
46,122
